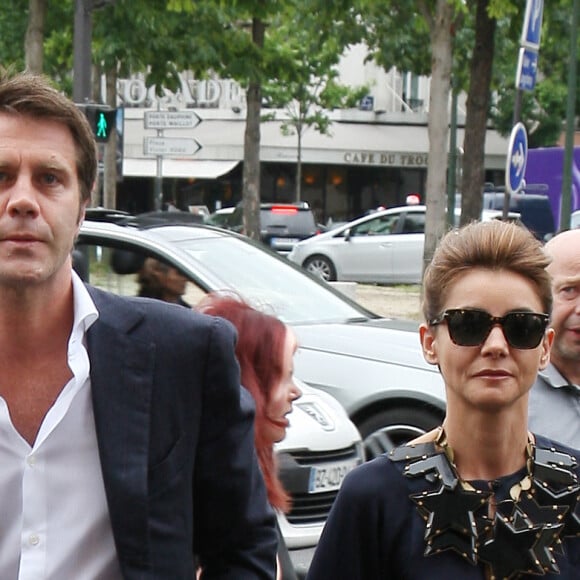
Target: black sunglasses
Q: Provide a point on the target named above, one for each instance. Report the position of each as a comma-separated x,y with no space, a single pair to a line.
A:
471,327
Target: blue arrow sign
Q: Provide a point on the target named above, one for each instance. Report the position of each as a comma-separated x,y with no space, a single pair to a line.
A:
532,24
527,69
517,158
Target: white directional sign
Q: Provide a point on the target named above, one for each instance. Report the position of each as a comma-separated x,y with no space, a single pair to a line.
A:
170,146
532,24
527,69
185,119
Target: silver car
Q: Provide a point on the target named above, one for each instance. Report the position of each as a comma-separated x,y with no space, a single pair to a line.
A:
385,246
371,365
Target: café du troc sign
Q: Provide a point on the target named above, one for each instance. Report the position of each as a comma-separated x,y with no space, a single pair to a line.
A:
206,93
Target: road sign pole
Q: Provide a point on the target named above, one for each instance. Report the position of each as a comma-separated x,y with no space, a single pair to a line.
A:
171,146
158,192
525,81
566,207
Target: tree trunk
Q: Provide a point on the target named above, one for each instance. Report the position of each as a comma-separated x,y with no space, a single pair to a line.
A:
438,127
478,98
34,43
251,173
110,156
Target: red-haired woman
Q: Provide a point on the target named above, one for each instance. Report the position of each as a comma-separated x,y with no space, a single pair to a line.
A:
265,351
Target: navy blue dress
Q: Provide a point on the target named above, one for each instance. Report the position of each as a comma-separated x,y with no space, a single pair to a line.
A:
375,531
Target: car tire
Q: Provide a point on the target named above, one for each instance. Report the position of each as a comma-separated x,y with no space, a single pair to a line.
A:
392,427
321,266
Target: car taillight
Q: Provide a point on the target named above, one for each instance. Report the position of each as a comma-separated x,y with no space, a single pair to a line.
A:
284,209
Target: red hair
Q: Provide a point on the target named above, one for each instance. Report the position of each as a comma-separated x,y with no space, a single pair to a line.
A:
260,352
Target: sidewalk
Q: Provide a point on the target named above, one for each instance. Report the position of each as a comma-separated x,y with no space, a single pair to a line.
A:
391,301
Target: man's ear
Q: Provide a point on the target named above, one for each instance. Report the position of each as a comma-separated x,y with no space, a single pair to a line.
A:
546,348
427,337
82,211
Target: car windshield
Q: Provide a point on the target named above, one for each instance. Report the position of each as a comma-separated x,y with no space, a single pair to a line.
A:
270,283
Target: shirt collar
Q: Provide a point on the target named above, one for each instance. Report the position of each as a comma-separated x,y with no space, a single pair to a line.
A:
555,379
85,311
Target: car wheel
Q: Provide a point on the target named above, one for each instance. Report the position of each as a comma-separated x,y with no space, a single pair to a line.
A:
322,267
396,426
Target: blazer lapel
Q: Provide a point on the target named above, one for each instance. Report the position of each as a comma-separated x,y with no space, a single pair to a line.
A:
121,382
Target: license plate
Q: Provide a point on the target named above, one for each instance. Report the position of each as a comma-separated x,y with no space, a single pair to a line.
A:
284,241
329,477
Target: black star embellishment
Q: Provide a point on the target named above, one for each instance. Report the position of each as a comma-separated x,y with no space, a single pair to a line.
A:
548,537
510,552
436,465
464,545
555,468
450,509
568,498
408,452
425,459
536,513
484,526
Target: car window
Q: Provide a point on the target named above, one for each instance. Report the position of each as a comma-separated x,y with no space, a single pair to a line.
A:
117,270
299,222
414,223
377,226
219,218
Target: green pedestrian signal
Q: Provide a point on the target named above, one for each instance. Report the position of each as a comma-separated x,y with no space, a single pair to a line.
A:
101,118
103,122
102,126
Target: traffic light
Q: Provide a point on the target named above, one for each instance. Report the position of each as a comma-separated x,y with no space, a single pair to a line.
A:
103,123
101,119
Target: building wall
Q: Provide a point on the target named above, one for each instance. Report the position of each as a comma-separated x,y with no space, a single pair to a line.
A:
372,156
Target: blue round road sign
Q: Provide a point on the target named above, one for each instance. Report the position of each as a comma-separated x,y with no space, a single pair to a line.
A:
517,158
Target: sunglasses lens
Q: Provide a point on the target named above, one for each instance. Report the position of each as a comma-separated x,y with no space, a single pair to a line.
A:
524,329
468,327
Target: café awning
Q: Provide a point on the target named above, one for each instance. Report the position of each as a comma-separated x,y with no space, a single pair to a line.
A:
185,168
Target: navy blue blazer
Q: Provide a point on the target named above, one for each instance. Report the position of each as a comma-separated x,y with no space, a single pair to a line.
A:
176,444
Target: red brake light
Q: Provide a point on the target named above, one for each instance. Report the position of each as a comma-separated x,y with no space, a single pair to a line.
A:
284,209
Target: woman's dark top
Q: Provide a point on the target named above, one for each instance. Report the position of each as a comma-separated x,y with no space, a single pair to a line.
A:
375,531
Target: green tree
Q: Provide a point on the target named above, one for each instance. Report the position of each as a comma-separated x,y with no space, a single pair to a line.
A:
309,88
417,36
240,40
544,108
483,62
13,24
477,109
259,47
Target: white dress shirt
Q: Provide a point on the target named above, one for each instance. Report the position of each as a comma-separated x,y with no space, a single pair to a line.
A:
54,520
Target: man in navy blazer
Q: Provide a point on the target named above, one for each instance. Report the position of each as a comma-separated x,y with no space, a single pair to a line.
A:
126,441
